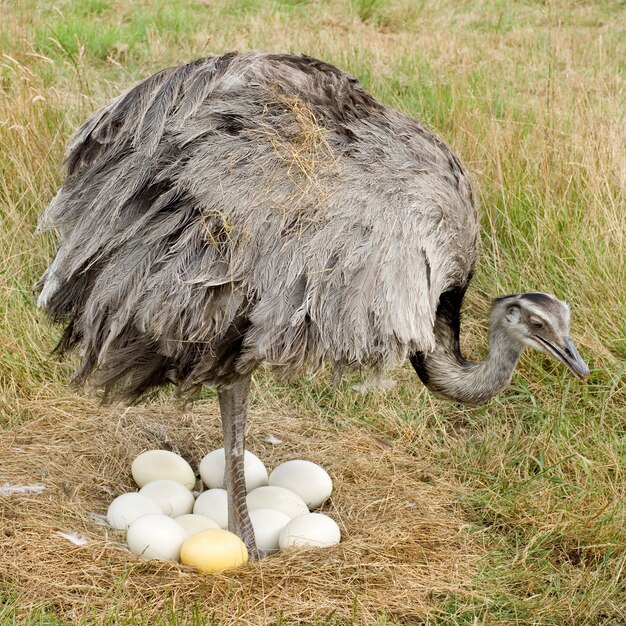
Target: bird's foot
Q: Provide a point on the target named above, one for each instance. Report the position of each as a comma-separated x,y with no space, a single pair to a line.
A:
254,553
245,532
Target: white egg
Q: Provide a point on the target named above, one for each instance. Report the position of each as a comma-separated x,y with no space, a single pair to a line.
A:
213,503
126,508
173,498
310,531
213,464
156,537
278,499
193,523
156,464
310,481
267,525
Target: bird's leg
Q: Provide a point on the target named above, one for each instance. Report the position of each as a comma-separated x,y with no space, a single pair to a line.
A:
233,408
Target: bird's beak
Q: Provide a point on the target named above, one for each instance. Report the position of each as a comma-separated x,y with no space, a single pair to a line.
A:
568,354
574,361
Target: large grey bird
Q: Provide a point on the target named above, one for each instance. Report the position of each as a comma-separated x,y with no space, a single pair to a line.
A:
263,208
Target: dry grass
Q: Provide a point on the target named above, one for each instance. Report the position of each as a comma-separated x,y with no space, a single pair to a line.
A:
404,539
531,95
308,160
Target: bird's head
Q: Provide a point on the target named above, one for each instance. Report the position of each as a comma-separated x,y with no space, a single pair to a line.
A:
540,321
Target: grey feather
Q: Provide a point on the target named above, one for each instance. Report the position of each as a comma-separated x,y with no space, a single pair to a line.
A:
253,208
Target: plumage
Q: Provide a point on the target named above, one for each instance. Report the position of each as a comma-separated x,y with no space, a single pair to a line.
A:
261,187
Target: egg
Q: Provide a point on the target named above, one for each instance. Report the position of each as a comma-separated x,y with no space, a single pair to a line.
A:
196,523
173,498
156,464
213,464
311,530
310,481
126,508
278,499
214,551
213,503
156,537
267,524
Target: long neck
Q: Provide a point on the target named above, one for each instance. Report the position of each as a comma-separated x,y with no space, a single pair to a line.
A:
446,373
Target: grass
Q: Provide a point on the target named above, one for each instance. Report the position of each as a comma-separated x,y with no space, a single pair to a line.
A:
530,95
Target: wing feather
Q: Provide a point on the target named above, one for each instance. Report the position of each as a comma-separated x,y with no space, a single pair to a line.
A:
252,208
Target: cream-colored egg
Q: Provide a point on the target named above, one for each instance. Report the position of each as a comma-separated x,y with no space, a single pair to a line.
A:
126,508
156,537
214,551
213,503
267,525
156,464
173,498
278,499
314,530
309,480
213,464
193,523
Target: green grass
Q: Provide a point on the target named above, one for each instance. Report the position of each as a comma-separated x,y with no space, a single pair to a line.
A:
530,94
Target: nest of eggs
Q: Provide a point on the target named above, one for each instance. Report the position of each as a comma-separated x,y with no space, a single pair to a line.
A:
404,544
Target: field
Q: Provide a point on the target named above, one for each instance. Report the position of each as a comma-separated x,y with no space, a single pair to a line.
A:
518,508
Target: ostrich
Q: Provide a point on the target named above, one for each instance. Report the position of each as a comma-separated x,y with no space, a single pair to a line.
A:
263,208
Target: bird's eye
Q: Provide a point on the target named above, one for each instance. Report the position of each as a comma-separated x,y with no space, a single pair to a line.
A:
536,324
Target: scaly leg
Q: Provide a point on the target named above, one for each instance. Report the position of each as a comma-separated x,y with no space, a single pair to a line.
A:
233,408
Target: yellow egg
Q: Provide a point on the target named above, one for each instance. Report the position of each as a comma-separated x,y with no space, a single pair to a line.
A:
214,551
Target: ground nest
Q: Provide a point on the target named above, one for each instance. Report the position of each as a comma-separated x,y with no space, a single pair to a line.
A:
404,543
